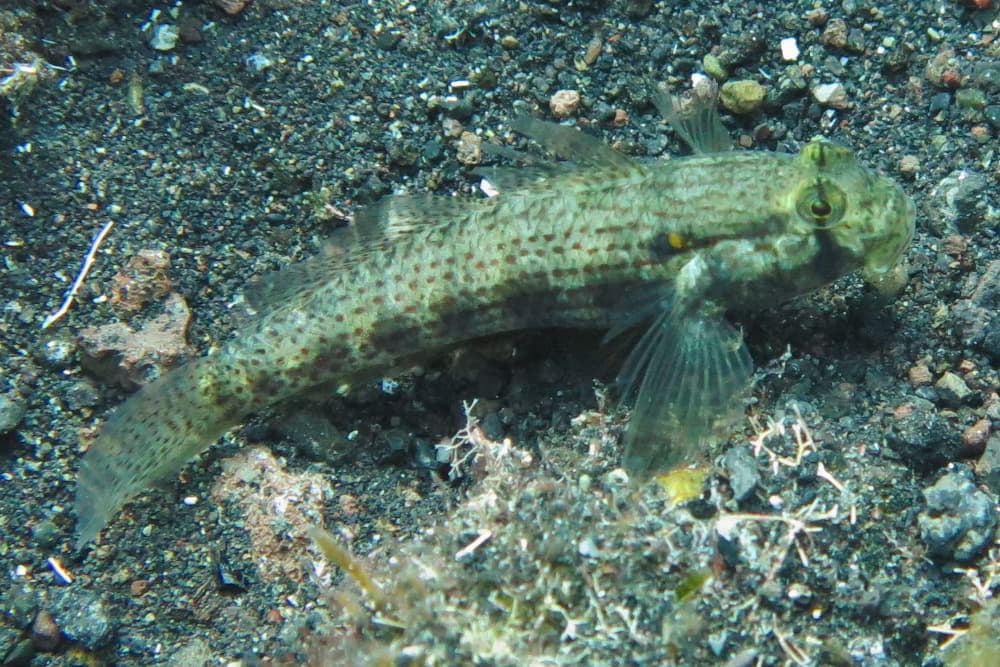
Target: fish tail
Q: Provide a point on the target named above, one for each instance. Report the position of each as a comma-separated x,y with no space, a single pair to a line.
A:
152,436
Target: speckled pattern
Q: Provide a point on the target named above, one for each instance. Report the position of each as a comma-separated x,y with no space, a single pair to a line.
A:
560,252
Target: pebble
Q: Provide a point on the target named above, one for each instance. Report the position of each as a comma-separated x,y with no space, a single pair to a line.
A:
470,148
988,466
926,438
959,520
742,470
831,95
743,96
952,389
142,280
164,37
45,634
789,49
12,411
940,102
975,437
82,394
84,617
970,98
909,165
139,587
919,375
56,353
835,34
713,67
817,17
564,103
117,353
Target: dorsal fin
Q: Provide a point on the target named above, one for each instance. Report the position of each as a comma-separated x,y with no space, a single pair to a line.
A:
269,291
505,179
695,119
375,228
401,215
570,144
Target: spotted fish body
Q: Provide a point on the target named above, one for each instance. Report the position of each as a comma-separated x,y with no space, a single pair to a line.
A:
611,244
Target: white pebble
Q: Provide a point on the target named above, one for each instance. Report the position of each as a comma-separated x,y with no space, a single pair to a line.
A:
789,49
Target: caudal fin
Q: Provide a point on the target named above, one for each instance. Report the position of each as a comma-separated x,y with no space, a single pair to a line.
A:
149,438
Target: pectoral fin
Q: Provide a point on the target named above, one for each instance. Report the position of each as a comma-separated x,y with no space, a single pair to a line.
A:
687,376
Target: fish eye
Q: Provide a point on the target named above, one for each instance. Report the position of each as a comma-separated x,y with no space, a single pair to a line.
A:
822,204
821,208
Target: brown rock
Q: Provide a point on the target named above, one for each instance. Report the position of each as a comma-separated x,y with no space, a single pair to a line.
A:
45,634
919,375
817,16
564,103
118,353
139,587
835,34
470,148
974,437
144,279
232,7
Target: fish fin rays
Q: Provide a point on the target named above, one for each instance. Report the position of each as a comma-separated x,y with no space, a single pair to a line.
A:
271,290
374,229
570,144
695,119
506,179
687,376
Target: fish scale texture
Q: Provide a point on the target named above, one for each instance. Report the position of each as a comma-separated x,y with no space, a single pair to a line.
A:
708,233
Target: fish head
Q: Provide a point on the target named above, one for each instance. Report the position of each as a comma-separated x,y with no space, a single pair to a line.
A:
864,218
